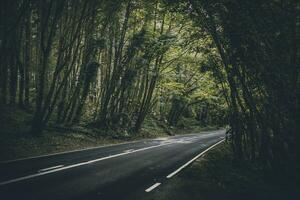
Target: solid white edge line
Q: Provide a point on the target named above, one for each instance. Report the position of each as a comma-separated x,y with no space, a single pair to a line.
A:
96,147
152,187
50,168
66,152
77,165
128,150
192,160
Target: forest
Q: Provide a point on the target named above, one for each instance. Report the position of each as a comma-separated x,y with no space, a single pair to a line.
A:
114,65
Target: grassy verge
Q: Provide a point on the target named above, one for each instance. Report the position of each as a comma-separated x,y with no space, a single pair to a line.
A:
218,176
15,142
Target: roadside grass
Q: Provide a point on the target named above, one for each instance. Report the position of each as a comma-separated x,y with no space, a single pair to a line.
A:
15,142
218,175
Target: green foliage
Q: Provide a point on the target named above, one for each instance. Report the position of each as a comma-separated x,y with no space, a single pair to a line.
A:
108,64
257,66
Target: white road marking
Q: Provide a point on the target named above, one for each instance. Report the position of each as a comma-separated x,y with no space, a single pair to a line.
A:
50,168
162,138
129,150
192,160
77,165
99,147
66,152
85,163
152,187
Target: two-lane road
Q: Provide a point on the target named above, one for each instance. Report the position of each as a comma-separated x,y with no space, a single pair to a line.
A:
125,171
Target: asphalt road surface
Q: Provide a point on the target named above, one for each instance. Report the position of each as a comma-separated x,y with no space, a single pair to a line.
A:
125,172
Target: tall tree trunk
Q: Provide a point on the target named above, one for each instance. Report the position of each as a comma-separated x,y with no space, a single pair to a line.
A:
27,58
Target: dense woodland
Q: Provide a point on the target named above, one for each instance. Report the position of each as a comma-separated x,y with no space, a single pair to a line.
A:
112,64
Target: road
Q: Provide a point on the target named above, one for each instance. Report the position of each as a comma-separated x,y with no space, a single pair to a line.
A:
125,171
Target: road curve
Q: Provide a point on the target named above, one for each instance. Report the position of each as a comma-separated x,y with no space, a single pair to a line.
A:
126,171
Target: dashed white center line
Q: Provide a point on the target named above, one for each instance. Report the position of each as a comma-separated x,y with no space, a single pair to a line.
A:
152,187
58,168
50,171
50,168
